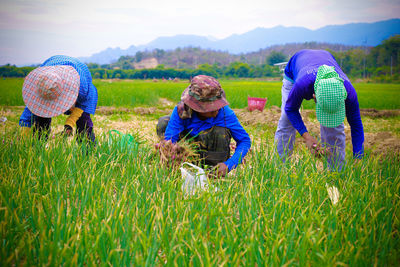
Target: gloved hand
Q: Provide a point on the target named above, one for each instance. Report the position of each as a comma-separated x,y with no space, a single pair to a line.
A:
76,113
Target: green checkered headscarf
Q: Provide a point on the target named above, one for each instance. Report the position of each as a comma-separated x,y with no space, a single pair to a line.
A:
330,95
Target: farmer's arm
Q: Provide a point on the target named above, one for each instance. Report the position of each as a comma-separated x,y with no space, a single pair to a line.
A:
243,142
26,118
74,116
175,126
354,120
25,121
301,89
292,107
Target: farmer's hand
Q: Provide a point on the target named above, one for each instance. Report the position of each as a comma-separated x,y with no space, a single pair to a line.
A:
311,142
220,170
67,131
315,147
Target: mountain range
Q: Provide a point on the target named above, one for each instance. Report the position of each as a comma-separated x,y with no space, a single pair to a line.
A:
356,34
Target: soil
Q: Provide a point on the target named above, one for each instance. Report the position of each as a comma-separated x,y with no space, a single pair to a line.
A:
374,113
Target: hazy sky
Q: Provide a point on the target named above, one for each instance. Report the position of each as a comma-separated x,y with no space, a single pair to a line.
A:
33,30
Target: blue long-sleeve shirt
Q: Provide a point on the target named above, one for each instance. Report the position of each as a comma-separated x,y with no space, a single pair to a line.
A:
302,71
87,96
225,118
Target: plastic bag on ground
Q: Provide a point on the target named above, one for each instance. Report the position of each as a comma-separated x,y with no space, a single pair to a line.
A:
194,178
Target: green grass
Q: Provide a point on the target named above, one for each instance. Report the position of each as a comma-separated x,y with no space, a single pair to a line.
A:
146,93
116,206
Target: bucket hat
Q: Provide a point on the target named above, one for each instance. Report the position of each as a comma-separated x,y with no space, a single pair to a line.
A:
204,94
330,95
50,91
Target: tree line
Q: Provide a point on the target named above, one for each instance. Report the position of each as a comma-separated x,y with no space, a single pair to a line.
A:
380,63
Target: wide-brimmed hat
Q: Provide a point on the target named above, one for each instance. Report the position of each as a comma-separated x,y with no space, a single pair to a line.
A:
330,95
50,91
204,94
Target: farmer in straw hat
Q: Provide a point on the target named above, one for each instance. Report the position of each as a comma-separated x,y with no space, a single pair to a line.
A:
203,113
315,74
61,84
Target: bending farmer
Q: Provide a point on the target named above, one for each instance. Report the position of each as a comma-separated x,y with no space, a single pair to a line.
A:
61,84
315,74
203,113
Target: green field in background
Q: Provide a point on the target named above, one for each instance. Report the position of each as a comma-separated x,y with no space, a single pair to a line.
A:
146,93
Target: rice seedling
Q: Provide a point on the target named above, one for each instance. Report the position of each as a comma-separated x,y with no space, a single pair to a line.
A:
113,204
69,203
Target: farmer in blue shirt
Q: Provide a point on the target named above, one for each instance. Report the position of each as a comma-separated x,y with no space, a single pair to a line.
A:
204,114
315,74
61,84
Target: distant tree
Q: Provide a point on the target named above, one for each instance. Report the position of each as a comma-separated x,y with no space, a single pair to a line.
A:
238,69
207,69
386,54
158,53
276,57
93,66
126,65
139,56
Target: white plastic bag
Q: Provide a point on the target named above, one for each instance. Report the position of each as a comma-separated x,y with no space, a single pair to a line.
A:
194,178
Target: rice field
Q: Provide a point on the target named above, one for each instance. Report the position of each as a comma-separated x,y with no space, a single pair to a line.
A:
130,93
65,203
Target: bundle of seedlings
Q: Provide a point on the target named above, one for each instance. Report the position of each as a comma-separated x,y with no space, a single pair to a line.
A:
174,154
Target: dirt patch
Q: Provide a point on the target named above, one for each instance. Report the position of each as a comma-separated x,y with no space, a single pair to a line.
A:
383,143
144,111
112,110
165,102
374,113
137,110
267,116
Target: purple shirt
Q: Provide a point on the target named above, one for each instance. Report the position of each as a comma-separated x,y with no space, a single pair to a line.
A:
302,71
